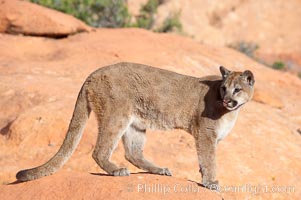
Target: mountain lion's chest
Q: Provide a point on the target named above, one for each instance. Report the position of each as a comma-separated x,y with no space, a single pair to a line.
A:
225,124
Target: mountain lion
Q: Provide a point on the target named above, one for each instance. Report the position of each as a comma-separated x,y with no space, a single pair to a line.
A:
130,98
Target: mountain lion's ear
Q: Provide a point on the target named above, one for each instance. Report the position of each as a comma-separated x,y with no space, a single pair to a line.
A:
249,77
224,71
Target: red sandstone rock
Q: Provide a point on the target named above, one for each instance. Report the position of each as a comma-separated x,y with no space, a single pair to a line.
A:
21,17
75,185
39,82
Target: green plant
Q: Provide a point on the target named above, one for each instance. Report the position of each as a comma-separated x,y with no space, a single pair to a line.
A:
113,13
171,23
247,48
278,65
146,17
97,13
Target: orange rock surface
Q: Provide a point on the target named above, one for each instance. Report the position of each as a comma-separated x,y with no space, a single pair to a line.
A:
21,17
76,185
273,25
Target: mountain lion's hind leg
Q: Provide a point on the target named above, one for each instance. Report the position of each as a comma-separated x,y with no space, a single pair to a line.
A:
133,141
108,138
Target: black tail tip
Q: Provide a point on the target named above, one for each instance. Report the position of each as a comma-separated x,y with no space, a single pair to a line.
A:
20,176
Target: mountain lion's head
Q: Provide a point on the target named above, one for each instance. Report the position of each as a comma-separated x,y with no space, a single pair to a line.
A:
237,88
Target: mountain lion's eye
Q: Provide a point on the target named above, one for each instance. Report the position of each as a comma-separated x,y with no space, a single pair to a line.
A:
236,90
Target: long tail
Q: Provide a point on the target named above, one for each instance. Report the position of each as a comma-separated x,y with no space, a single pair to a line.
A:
80,116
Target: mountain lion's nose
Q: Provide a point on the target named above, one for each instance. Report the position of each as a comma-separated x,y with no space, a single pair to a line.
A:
226,101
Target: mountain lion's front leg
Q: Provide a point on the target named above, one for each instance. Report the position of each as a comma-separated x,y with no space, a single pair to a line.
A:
206,150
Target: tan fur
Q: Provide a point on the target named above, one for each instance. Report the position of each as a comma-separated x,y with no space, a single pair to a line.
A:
130,98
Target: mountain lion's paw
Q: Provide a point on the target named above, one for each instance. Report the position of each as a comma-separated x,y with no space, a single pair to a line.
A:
121,172
163,171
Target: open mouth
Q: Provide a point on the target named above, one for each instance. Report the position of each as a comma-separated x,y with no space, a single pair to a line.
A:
230,105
